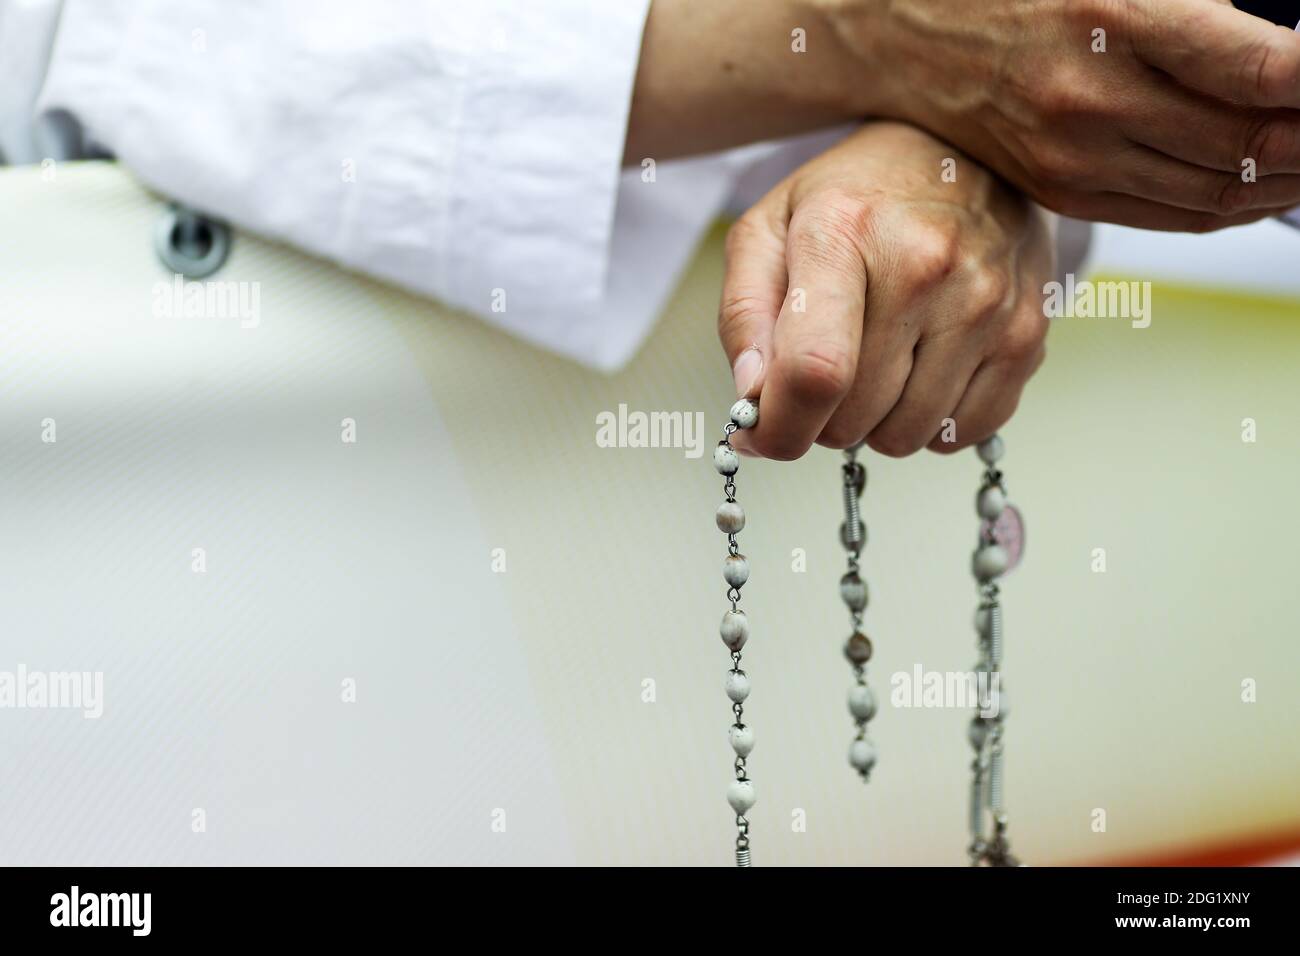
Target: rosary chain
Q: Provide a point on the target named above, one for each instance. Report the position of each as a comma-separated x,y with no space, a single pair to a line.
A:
990,561
989,847
735,625
853,590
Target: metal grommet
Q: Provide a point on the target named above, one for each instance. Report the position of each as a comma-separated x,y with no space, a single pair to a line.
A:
191,244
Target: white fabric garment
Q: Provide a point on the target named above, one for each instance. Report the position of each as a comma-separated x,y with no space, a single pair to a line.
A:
26,33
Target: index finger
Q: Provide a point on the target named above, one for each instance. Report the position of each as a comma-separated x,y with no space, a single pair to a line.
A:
818,333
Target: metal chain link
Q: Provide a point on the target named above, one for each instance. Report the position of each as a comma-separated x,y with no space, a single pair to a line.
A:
853,536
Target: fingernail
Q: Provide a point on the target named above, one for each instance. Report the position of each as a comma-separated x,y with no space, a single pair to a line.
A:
746,370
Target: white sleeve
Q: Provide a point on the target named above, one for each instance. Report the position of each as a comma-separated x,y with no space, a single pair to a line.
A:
465,150
26,35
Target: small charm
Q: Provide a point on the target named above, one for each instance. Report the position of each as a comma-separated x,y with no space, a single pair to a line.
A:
1008,530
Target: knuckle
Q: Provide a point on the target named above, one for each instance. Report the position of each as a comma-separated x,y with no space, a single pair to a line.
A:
845,213
894,443
1267,77
1270,142
988,290
1057,164
839,434
1096,13
1230,195
930,254
831,228
1067,94
820,374
1024,338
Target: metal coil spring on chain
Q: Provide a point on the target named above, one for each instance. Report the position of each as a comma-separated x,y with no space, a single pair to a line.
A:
995,633
995,775
852,513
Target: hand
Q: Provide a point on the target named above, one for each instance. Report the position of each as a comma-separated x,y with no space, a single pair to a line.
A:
1152,132
866,297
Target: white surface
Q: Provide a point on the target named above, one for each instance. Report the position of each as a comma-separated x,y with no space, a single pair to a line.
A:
326,562
1261,258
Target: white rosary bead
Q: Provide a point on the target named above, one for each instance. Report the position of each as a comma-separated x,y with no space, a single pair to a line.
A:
978,733
725,459
990,561
737,686
742,739
735,570
745,413
740,794
990,450
862,703
731,517
854,591
983,621
862,755
734,630
990,503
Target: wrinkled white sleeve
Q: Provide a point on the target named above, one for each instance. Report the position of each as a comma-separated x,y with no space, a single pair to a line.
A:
26,34
465,150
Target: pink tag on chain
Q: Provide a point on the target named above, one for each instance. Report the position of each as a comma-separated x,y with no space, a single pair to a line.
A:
1009,531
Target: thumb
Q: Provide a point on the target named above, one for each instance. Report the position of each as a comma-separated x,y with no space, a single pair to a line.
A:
753,289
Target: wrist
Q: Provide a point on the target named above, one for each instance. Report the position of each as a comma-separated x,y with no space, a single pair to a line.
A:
730,72
837,74
854,29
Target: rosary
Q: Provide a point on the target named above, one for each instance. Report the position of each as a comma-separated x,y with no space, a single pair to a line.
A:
998,549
